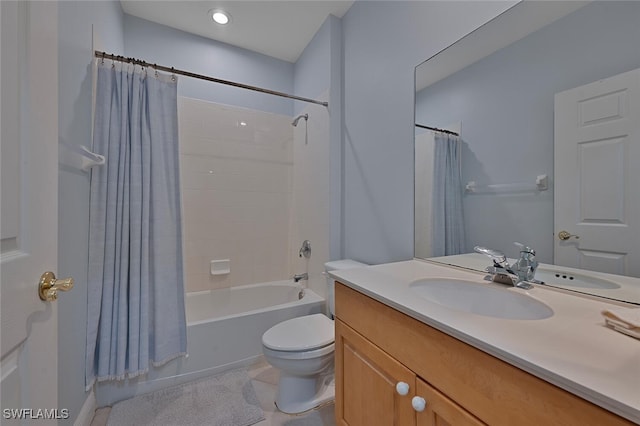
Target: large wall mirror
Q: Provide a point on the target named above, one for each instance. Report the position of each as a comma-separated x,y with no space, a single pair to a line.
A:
546,100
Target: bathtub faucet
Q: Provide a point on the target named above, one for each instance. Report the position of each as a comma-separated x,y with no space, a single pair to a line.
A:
299,277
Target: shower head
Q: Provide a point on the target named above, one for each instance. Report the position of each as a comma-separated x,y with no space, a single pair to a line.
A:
295,122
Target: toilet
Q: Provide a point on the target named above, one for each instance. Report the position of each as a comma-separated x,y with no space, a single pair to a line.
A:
302,349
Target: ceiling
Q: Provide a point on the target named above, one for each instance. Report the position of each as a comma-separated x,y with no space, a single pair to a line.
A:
281,29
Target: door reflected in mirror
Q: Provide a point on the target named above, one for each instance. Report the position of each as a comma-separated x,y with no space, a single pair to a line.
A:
546,89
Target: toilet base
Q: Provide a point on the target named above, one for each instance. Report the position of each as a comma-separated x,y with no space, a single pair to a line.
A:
304,393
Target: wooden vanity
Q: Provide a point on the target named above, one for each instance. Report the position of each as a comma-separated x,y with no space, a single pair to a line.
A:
377,347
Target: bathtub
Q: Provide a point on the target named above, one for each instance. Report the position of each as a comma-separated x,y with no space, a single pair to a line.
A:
224,331
217,305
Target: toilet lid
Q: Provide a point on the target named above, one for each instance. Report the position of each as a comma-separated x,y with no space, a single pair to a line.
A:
300,334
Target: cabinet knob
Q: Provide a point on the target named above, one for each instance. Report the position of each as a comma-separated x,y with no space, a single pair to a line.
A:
402,388
419,404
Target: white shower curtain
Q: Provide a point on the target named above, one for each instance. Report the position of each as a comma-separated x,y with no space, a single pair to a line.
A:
136,313
447,233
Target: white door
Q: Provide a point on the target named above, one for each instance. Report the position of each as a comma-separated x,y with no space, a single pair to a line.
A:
597,175
29,207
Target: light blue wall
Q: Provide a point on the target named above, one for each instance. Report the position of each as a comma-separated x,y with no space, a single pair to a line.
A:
75,19
505,103
318,70
163,45
312,75
383,42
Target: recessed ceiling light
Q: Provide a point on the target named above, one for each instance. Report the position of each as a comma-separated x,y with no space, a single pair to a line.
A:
220,16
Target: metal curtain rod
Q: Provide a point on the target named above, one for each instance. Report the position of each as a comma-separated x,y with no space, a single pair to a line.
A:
435,129
172,70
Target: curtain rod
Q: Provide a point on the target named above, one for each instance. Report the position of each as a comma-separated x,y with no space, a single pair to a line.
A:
435,129
103,55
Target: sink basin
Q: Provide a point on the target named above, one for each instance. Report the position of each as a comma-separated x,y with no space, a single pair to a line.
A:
481,299
560,278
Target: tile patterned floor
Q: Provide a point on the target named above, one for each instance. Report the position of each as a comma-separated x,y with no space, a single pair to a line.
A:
265,382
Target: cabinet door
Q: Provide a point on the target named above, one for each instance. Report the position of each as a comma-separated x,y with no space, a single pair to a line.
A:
366,379
440,410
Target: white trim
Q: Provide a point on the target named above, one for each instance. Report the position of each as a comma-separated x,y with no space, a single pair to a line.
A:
85,416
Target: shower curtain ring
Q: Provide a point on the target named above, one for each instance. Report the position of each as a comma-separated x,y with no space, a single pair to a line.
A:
102,62
155,67
173,75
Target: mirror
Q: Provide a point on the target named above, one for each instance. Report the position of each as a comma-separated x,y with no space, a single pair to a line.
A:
498,87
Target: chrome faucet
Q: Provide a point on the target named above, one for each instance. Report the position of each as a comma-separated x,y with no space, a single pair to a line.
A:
521,273
305,250
299,277
526,264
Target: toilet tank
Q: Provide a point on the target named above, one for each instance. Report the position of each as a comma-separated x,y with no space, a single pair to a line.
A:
337,265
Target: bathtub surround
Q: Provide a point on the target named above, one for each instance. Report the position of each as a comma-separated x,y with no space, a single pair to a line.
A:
135,282
316,75
225,399
311,196
236,166
317,166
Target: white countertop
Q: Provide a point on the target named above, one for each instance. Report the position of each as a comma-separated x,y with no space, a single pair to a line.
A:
572,349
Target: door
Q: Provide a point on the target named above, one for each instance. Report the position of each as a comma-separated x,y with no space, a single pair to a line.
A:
29,205
439,410
366,380
597,178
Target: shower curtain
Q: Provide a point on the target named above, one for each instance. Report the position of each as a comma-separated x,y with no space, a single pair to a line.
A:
447,236
136,313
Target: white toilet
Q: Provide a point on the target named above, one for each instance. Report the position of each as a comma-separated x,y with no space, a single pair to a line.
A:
302,349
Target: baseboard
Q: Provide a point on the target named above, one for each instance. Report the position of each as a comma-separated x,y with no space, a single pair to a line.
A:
87,411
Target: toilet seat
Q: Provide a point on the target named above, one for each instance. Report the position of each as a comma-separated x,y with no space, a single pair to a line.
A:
301,334
316,353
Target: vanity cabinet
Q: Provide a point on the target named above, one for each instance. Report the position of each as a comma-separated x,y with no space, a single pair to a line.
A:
381,391
370,377
378,347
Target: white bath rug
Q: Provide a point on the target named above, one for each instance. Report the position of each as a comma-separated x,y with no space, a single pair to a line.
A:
224,400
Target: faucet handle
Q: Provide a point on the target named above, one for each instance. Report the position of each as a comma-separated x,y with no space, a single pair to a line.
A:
525,249
499,259
497,256
305,250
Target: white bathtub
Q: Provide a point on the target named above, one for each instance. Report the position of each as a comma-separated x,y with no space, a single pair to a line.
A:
224,331
216,305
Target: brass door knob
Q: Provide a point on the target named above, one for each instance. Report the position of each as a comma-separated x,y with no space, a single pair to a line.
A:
49,286
564,235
